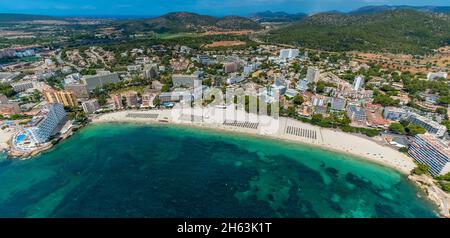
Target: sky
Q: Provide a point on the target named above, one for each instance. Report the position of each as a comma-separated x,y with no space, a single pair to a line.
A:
211,7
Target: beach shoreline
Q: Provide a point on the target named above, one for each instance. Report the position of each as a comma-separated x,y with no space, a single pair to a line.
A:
402,163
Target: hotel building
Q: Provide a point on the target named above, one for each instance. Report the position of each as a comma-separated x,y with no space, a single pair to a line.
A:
289,53
187,81
22,86
44,124
429,150
100,80
430,125
312,75
231,67
64,97
358,83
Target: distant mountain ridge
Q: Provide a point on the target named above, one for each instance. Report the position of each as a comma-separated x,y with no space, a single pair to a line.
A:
382,8
12,17
269,16
187,21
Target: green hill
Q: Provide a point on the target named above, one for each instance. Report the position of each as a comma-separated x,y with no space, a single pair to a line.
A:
399,31
187,22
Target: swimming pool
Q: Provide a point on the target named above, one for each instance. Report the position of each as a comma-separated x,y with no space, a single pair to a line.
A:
20,138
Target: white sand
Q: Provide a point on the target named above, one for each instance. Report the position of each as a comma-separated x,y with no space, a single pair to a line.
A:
329,139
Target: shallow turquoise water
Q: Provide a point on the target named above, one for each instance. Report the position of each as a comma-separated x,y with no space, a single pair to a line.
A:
127,170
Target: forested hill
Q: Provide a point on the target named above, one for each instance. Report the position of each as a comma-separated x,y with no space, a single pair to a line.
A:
382,8
186,21
398,31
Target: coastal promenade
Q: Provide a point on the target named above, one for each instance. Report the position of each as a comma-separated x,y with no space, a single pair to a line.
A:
281,128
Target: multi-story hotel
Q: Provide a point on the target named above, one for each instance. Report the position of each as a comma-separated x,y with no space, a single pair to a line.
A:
429,150
289,53
100,80
231,67
44,124
64,97
430,125
22,85
187,81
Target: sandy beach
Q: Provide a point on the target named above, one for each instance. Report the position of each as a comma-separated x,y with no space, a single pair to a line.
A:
283,128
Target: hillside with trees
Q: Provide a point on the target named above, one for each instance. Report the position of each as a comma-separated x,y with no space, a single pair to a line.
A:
187,22
398,31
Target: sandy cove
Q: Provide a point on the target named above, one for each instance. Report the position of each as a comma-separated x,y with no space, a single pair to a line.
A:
284,129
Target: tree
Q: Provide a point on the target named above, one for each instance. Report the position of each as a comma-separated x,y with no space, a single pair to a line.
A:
414,130
298,100
441,110
165,88
397,128
156,101
447,124
291,111
421,169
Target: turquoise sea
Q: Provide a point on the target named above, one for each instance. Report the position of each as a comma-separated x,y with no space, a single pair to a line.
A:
129,170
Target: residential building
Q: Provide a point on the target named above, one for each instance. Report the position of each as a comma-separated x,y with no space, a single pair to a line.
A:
356,114
90,106
131,99
9,108
133,68
289,53
358,83
437,75
395,113
291,93
3,99
187,81
147,99
157,85
22,85
312,75
231,67
118,101
66,98
78,90
338,104
100,80
302,85
6,77
151,71
431,126
44,124
429,150
175,96
235,79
